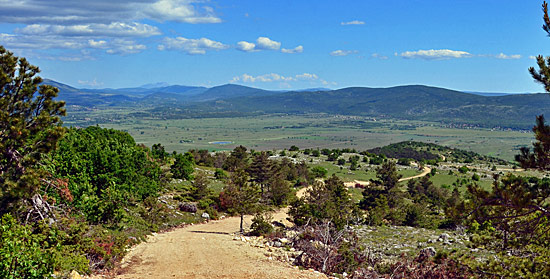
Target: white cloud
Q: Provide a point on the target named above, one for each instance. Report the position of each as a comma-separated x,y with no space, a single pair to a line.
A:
97,44
306,76
246,46
435,54
298,49
92,83
114,29
98,24
180,11
123,47
63,12
343,52
353,22
273,77
379,56
191,46
532,57
504,56
267,43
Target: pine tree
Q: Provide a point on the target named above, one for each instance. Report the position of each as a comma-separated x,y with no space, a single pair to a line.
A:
244,196
543,74
30,127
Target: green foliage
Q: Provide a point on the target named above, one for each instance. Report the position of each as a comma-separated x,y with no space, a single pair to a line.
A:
200,186
376,160
517,207
279,191
22,253
30,127
220,174
319,172
158,152
238,160
543,74
261,225
106,171
241,196
183,167
404,161
328,201
463,169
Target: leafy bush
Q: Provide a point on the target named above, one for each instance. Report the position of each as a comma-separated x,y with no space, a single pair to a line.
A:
22,253
261,225
106,171
318,172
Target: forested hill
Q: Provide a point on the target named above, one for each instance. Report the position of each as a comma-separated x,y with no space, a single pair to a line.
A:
405,102
412,102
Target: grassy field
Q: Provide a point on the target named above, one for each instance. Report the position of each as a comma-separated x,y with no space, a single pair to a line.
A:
270,132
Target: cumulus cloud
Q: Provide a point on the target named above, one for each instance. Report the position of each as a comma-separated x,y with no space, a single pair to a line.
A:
267,43
532,57
273,77
435,54
121,46
191,46
353,22
91,83
262,43
31,42
180,11
343,52
298,49
114,29
246,46
98,24
66,12
504,56
306,76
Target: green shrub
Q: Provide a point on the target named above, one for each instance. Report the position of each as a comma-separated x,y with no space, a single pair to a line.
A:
22,253
260,225
205,203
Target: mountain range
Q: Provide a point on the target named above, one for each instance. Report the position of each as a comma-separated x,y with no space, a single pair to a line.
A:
411,102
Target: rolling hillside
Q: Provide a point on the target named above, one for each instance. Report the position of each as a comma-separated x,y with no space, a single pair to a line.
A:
412,102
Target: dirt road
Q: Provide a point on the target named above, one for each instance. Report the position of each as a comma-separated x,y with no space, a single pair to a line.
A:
425,172
206,251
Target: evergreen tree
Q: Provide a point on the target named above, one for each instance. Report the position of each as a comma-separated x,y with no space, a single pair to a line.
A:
260,170
243,195
237,160
387,175
200,186
543,74
30,127
325,201
183,166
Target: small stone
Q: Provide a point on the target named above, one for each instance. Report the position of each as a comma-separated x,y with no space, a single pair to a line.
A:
428,252
205,215
74,275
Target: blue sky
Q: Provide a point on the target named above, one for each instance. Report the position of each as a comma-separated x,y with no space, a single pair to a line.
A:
481,45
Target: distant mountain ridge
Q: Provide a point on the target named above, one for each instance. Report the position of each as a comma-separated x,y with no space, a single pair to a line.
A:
412,102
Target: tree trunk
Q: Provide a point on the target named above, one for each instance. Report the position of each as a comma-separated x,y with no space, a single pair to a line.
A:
242,218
